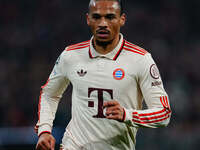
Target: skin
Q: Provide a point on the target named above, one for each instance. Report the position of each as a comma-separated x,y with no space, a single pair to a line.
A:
46,142
103,17
114,110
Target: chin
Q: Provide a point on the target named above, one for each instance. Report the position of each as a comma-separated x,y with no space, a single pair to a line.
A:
103,42
103,39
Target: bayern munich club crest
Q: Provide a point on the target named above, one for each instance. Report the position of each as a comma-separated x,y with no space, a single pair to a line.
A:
118,74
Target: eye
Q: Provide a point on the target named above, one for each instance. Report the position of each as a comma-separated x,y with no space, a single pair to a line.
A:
110,16
96,16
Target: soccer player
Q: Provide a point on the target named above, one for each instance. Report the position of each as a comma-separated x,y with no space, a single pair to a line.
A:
111,77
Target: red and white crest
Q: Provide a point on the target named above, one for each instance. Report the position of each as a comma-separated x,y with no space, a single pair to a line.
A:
118,74
154,71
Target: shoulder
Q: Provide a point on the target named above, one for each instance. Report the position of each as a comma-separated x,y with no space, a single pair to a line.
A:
71,52
134,49
78,46
137,55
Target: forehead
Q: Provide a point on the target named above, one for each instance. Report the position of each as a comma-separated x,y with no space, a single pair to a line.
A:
104,6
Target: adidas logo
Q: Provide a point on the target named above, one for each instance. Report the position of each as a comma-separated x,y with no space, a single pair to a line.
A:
81,73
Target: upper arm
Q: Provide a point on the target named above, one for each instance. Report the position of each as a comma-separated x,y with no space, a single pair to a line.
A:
150,82
58,80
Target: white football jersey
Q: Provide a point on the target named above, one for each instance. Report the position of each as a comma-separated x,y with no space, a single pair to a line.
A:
127,74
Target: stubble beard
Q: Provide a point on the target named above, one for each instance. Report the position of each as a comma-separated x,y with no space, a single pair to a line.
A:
103,44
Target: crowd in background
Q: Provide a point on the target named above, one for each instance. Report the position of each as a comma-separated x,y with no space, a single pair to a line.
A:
34,33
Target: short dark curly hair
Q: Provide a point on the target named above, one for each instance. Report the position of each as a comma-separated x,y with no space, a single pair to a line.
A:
120,2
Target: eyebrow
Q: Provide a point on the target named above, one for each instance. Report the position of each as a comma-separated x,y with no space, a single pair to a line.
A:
107,15
110,15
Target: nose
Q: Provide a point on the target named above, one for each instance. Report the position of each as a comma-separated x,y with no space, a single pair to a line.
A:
103,22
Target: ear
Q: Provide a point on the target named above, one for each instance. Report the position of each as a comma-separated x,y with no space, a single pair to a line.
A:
88,19
122,19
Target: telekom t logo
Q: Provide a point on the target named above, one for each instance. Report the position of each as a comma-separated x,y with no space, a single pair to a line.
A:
100,100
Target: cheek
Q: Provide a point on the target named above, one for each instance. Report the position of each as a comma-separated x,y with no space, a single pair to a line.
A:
115,28
92,26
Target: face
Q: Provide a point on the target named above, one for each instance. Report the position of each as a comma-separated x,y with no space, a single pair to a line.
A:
105,20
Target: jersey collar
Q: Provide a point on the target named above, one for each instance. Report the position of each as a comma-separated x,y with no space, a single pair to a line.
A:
113,55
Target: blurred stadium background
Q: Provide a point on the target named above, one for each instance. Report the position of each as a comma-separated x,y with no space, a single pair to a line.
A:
34,32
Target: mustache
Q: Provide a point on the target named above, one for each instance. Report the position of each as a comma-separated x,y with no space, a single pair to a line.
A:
102,29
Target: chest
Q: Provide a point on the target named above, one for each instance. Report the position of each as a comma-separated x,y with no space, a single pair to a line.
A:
102,73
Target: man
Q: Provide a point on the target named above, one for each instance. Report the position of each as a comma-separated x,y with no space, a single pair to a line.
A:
110,78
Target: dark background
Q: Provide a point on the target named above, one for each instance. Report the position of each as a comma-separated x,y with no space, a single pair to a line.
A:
33,33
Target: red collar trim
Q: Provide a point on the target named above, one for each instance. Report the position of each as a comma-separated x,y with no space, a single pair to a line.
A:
90,54
118,53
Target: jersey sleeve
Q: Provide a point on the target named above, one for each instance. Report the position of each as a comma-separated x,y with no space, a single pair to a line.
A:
50,96
158,110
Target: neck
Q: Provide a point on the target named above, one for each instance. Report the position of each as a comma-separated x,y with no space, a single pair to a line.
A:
105,47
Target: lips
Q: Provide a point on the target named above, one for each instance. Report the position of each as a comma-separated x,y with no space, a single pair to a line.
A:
103,33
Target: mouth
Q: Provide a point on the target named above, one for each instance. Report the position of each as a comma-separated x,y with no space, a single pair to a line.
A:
103,34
